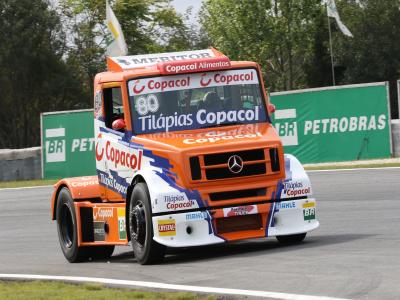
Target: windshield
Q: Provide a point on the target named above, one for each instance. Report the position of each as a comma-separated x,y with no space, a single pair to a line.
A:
193,101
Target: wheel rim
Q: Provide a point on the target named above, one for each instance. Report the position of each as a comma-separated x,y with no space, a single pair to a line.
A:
138,224
67,226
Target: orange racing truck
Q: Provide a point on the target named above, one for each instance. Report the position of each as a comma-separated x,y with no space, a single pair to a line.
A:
186,155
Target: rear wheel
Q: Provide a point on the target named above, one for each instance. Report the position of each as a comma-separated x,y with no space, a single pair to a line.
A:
146,250
291,239
67,228
68,233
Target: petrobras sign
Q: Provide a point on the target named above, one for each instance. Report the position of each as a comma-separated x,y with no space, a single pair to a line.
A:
340,123
140,61
194,81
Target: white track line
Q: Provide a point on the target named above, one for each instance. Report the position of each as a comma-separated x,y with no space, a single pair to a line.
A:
157,285
353,169
25,187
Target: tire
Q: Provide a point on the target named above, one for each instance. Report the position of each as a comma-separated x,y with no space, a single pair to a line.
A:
146,250
291,239
67,228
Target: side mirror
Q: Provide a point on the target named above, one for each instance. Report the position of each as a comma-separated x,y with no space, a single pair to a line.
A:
119,124
271,108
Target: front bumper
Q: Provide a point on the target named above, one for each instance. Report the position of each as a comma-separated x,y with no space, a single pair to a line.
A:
206,227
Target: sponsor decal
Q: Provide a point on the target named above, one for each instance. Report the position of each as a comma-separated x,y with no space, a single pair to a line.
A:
119,157
101,213
309,211
85,183
194,66
167,227
121,223
200,119
285,205
295,188
135,61
199,215
175,202
240,210
222,138
113,183
99,231
192,81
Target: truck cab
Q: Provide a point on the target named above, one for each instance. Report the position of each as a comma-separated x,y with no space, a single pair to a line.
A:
186,155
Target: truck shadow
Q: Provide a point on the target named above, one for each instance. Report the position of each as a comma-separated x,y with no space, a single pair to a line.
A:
244,248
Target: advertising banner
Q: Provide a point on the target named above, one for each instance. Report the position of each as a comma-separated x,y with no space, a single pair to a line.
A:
67,144
341,123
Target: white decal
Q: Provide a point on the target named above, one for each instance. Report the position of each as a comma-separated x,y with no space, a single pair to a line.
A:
135,61
193,81
55,147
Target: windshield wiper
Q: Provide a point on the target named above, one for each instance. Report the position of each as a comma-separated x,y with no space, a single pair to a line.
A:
222,124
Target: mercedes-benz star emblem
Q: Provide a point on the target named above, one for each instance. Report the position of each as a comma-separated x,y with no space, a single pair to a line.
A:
235,164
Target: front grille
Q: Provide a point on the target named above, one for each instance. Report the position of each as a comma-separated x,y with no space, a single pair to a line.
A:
238,194
215,166
222,158
239,223
195,168
248,170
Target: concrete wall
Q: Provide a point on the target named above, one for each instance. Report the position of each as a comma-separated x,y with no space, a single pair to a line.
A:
20,164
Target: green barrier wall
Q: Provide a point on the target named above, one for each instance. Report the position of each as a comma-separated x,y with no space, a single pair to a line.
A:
318,125
68,144
334,124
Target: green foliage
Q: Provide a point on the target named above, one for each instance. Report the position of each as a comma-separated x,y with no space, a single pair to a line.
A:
51,50
33,76
374,52
277,34
62,291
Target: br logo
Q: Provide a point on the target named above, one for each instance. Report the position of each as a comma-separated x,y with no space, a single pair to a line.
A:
55,145
286,126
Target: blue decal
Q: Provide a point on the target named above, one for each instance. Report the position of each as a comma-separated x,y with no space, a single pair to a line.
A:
114,182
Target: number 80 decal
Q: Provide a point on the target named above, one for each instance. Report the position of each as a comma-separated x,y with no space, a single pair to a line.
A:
144,104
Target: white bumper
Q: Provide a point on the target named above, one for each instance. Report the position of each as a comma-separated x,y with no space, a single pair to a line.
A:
197,229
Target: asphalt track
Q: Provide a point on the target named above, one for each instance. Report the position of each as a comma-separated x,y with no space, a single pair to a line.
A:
354,254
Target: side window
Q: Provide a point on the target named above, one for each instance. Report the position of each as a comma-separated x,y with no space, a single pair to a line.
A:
113,107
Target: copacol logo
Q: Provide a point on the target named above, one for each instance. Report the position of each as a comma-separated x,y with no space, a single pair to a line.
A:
286,126
55,145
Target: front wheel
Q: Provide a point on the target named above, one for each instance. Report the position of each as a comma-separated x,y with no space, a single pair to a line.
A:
291,239
146,250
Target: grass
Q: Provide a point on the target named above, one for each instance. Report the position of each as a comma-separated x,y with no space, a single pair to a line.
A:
355,166
25,183
41,290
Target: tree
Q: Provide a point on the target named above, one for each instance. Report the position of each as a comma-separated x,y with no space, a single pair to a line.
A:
276,33
33,76
148,26
374,52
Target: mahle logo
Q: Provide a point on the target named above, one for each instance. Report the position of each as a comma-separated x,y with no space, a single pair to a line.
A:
55,145
286,126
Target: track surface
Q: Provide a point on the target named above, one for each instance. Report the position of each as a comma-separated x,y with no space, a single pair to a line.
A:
354,254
